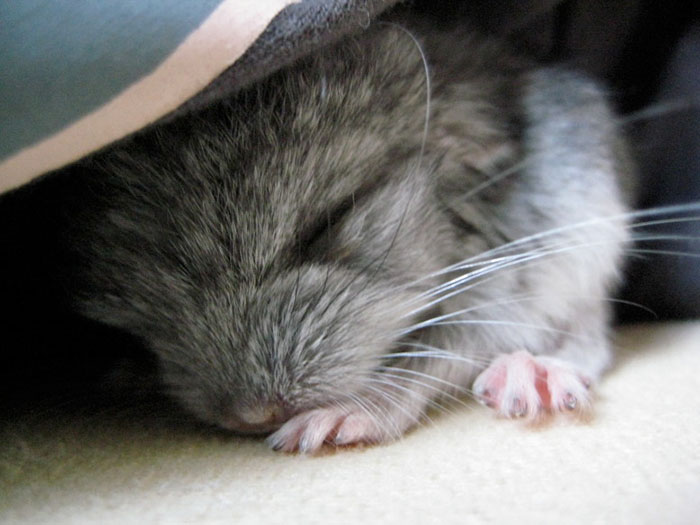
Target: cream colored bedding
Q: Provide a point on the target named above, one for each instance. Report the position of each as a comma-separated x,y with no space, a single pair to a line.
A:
637,461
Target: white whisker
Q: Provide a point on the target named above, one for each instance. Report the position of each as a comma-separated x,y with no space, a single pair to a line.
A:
514,300
491,322
657,110
650,251
384,394
525,258
428,86
375,412
663,237
659,222
626,217
381,379
454,386
433,352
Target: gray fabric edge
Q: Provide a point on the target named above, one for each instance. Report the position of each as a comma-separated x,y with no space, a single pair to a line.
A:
296,31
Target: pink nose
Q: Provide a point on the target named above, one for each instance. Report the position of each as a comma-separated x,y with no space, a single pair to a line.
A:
258,419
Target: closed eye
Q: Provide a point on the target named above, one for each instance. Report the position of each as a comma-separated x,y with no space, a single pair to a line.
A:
319,232
317,236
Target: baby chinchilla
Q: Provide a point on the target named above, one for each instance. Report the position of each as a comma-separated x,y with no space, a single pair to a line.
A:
339,247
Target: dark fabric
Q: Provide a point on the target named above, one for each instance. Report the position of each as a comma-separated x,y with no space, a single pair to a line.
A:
669,154
626,43
296,31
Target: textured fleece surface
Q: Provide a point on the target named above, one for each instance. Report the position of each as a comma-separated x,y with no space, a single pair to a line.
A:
637,461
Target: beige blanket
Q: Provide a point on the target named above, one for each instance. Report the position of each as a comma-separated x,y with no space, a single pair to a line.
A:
637,461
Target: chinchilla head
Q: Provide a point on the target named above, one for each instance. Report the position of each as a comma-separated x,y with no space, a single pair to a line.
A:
271,249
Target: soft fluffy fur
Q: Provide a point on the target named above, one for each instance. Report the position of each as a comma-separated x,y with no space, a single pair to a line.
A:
310,256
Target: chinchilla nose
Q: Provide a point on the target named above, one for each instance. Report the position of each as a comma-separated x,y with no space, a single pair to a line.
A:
259,419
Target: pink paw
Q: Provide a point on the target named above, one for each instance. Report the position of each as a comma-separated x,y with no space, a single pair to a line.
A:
308,431
521,385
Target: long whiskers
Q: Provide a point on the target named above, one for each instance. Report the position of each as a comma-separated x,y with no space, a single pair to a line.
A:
660,109
496,322
397,402
627,217
481,269
388,370
428,351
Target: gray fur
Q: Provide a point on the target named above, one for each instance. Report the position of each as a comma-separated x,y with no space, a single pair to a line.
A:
275,251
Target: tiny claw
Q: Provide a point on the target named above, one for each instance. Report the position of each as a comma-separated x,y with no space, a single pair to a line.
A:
484,397
341,440
570,401
304,446
273,443
518,408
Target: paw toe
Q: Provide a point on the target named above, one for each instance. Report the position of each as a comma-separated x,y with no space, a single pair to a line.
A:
357,428
519,385
306,432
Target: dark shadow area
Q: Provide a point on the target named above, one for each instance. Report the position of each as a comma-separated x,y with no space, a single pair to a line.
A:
50,354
